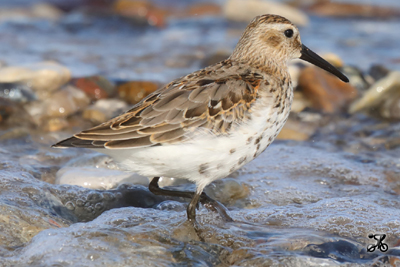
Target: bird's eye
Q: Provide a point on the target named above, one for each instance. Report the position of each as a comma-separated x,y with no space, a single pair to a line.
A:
289,33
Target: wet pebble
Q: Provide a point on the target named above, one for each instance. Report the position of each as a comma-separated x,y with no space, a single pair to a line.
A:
141,12
134,91
35,11
17,92
300,127
324,91
228,191
61,104
104,109
357,79
202,9
6,109
378,72
333,9
44,77
246,10
382,99
96,87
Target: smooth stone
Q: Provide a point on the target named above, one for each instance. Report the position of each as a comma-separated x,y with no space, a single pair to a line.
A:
104,109
246,10
17,92
295,130
343,10
6,109
202,9
96,87
61,104
300,102
357,79
386,89
141,12
325,91
54,124
134,91
334,59
43,78
47,11
378,72
44,11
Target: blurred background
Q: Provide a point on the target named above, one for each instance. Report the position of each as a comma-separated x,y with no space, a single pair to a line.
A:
124,49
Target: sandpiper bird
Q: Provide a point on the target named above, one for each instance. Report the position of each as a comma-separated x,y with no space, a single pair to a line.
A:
209,123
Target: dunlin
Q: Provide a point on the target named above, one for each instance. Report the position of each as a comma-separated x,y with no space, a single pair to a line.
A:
209,123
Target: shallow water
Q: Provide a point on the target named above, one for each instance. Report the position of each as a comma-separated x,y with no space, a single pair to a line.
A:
300,203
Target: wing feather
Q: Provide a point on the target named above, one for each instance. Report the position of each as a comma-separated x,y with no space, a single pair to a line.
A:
214,99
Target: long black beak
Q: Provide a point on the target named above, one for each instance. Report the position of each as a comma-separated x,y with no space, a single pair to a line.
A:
310,56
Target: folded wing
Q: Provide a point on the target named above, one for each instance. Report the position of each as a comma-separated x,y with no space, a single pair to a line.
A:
214,99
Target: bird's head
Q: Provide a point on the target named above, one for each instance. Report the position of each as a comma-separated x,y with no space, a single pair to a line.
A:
274,40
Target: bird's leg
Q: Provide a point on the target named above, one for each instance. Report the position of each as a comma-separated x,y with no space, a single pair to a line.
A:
191,209
203,197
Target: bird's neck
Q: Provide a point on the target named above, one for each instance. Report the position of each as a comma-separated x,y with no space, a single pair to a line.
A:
271,66
260,57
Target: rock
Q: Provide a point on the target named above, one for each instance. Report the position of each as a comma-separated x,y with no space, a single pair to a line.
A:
17,92
134,91
334,59
325,92
96,87
37,11
300,127
246,10
54,124
140,11
6,109
300,102
357,78
104,109
13,115
382,98
202,9
332,9
378,72
43,77
46,11
61,104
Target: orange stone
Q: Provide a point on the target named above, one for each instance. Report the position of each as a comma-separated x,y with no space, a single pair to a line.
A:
134,91
332,9
205,9
96,87
141,10
324,91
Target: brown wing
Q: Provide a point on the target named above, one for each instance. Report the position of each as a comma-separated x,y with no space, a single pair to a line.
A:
213,99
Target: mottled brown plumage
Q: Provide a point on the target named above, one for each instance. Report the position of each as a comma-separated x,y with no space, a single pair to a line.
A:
213,121
212,98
